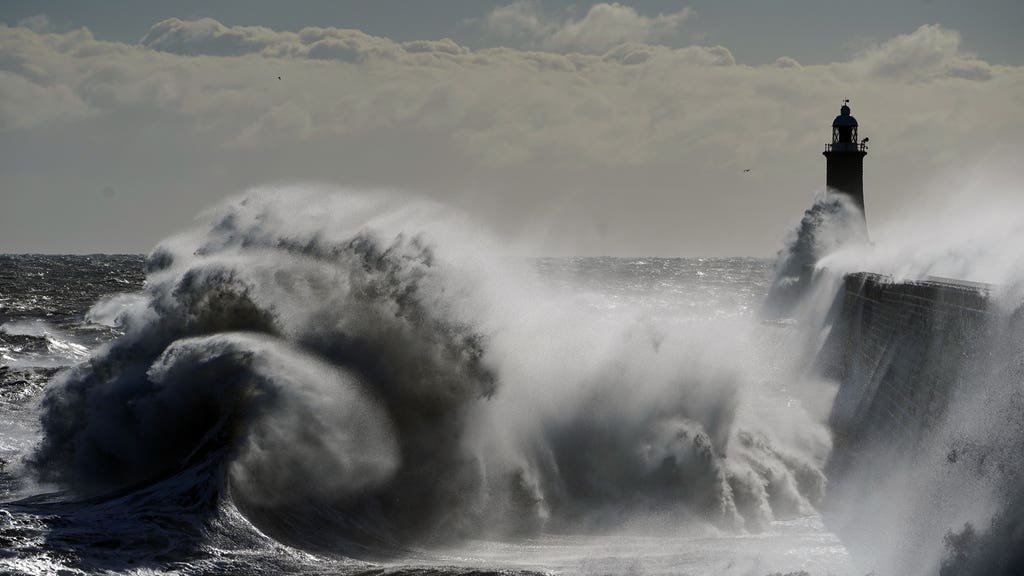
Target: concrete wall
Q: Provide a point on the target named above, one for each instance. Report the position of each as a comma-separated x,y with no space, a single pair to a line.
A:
898,351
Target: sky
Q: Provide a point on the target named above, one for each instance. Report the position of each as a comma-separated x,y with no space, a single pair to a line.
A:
567,128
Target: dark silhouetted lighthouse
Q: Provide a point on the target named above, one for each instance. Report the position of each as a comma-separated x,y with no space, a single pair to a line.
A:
845,158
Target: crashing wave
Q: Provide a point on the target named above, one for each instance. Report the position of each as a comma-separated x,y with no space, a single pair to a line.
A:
360,374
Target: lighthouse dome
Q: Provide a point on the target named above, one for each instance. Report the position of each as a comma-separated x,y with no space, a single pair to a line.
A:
844,118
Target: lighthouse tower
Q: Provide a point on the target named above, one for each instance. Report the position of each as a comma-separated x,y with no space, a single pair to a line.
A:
845,158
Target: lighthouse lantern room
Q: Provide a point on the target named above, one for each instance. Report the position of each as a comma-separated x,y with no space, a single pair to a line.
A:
845,158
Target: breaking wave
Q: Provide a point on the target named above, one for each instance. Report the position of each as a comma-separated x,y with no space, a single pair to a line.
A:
358,374
830,223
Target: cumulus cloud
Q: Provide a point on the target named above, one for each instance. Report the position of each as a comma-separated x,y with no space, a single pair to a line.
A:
674,124
207,36
928,52
785,62
520,22
632,54
604,26
38,23
504,106
33,77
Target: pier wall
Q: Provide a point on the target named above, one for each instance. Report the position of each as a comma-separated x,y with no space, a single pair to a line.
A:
899,351
925,471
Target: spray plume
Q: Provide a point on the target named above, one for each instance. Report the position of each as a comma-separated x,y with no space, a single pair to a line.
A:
372,373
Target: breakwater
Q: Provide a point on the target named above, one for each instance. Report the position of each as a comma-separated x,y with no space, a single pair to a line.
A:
898,350
926,421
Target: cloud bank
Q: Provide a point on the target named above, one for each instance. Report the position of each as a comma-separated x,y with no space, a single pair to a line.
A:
603,27
589,137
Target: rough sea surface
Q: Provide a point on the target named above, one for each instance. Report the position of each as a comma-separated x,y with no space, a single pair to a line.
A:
321,382
181,522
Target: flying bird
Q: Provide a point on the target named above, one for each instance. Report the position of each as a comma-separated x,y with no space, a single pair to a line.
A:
278,77
746,169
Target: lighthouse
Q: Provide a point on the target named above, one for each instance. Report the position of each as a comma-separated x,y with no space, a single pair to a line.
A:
844,158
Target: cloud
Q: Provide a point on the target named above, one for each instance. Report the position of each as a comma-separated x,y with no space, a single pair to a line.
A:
603,27
633,104
929,52
38,23
33,77
503,128
608,25
209,37
633,54
520,22
786,62
281,124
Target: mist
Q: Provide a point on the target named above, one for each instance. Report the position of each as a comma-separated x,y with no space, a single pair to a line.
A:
940,493
377,373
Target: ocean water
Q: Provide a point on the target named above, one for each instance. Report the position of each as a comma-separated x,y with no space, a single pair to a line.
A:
276,392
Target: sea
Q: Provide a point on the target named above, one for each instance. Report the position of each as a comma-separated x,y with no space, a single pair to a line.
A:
56,311
324,382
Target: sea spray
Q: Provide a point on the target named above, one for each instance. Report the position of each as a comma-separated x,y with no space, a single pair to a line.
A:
373,371
832,221
939,490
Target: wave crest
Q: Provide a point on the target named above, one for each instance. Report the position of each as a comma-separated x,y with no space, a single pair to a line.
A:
371,372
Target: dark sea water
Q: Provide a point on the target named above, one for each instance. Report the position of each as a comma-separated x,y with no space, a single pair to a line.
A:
104,478
43,328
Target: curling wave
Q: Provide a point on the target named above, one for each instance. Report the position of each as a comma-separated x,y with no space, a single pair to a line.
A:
359,373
